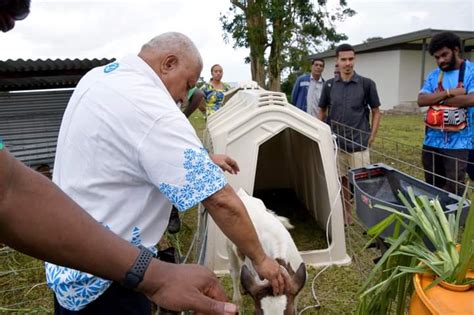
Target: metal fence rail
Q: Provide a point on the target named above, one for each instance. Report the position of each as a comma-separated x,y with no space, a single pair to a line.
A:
402,156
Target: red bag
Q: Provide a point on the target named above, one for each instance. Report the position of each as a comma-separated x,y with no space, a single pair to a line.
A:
447,118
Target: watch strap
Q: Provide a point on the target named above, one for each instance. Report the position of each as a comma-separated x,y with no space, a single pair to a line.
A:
135,274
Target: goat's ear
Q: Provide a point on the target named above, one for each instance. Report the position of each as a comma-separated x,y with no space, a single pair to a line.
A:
247,280
298,279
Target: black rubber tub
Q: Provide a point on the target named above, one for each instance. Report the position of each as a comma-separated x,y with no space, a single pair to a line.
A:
379,184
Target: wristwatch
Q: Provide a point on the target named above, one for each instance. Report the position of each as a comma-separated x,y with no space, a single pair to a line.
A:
135,274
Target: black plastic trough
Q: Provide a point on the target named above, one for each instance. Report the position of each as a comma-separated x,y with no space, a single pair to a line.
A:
379,184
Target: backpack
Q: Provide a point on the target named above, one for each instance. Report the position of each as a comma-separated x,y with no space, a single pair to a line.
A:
447,118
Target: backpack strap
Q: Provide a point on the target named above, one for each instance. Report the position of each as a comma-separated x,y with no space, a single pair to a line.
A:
366,88
440,81
462,70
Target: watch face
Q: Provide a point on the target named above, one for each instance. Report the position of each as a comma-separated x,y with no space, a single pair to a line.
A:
132,280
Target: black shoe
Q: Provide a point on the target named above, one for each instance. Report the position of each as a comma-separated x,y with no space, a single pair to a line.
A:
174,225
170,255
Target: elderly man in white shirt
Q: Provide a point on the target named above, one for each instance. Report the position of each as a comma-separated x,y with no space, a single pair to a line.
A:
126,153
315,88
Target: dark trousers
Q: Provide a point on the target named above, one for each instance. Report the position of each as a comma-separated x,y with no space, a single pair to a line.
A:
115,300
445,169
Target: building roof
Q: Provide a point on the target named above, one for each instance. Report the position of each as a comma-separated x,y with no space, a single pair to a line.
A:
45,74
413,39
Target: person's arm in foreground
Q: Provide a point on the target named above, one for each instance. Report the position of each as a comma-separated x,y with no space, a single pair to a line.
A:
37,218
229,213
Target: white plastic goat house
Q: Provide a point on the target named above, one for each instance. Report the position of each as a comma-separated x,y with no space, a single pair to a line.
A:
278,146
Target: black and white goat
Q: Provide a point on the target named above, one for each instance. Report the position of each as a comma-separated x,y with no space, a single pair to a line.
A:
278,244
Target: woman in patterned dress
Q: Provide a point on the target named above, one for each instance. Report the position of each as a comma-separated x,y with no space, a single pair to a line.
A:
214,90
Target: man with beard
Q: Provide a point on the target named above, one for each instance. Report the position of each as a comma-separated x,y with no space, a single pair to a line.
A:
445,150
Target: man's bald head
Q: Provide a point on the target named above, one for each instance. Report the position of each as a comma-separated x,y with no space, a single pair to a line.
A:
176,60
173,43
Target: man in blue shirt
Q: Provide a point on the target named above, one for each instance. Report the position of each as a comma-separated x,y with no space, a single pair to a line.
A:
445,152
307,89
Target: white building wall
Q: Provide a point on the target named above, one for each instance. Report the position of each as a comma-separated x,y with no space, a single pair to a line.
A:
382,67
410,73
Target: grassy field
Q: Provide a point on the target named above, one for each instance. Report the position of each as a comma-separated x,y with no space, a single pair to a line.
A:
22,282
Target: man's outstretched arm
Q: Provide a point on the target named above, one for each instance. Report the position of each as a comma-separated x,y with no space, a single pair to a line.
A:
37,218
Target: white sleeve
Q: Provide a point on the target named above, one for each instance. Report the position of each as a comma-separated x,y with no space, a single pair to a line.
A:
175,161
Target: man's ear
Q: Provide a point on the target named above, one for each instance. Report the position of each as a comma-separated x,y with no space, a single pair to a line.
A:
169,64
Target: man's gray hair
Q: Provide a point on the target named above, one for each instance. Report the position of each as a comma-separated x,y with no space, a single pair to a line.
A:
173,42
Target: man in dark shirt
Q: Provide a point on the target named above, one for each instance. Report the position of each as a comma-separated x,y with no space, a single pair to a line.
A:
350,98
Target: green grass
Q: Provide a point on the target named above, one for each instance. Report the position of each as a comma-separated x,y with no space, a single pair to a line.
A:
22,284
399,142
22,288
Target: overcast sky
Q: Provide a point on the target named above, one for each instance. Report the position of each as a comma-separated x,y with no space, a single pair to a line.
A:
113,28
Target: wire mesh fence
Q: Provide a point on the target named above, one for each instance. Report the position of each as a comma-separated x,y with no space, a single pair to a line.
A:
406,157
22,281
403,157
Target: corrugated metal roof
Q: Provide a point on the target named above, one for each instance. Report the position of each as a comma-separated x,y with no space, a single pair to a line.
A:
413,37
30,65
29,124
45,74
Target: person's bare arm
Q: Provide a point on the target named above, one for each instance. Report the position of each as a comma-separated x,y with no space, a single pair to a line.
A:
323,112
37,218
428,99
194,102
456,97
229,213
185,287
376,117
460,100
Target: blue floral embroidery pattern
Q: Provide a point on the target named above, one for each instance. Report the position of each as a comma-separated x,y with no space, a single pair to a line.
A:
136,237
203,178
76,289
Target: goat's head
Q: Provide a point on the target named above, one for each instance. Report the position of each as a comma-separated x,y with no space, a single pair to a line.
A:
262,294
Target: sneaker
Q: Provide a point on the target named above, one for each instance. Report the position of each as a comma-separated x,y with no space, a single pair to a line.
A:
174,224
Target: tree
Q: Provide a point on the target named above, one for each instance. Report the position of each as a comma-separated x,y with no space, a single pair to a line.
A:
280,33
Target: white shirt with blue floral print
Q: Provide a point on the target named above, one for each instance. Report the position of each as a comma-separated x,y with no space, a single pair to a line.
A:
125,153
